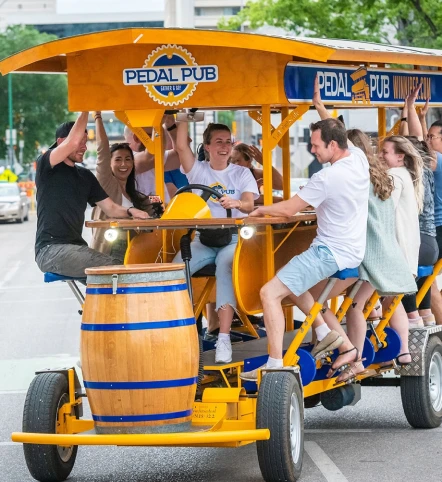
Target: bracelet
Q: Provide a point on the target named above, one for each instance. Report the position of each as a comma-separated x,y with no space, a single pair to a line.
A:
172,127
404,119
240,204
128,211
97,117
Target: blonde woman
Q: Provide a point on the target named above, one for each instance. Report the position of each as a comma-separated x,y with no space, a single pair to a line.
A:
406,168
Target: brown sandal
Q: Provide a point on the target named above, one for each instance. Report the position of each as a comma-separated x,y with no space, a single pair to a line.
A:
351,374
344,366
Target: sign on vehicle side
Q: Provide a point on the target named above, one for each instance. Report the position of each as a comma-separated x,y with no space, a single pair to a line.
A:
361,86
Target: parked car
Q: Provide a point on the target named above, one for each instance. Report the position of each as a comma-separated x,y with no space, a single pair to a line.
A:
295,185
14,204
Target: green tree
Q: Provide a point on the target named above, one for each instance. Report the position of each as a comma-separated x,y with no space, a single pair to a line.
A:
411,22
39,101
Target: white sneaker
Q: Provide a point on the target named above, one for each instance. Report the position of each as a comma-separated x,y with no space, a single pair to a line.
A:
252,375
223,351
415,323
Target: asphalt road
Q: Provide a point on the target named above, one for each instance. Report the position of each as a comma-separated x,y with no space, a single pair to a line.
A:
39,327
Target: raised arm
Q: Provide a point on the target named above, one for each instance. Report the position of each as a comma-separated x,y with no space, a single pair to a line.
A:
276,175
104,171
403,127
72,142
422,114
143,161
317,101
414,125
185,153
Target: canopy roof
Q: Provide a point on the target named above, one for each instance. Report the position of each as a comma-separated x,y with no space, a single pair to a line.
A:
51,56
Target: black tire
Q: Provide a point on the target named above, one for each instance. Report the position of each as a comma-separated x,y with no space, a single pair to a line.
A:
26,218
422,403
19,220
46,394
312,401
278,461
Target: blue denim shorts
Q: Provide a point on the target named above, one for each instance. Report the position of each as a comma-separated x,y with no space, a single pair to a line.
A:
307,269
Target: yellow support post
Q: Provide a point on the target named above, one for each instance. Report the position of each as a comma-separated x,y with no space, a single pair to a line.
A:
334,305
382,122
267,182
289,322
380,329
290,357
428,282
285,157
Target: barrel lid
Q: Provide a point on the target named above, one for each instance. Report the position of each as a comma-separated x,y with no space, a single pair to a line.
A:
135,268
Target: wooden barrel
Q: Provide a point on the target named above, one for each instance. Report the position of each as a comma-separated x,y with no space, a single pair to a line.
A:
139,346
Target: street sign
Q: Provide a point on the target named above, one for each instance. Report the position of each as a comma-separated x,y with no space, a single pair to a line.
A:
14,136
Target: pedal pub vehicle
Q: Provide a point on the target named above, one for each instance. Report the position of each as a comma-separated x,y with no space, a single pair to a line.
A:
143,388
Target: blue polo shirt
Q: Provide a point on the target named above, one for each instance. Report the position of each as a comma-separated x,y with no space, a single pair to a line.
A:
178,179
438,191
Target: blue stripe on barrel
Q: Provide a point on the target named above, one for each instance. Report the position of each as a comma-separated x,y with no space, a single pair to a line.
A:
182,382
142,418
132,290
150,325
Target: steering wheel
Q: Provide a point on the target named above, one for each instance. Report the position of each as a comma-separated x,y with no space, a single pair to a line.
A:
207,192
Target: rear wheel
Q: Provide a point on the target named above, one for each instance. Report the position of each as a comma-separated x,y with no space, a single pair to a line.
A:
47,393
422,396
280,409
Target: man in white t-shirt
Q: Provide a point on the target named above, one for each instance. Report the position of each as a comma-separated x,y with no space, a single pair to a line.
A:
339,194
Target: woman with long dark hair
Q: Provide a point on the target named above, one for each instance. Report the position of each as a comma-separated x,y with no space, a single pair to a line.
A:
116,174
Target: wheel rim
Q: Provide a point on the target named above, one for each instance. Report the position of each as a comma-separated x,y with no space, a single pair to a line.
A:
435,381
65,453
295,428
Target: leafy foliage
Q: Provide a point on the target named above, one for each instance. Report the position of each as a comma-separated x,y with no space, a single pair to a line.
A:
39,100
411,22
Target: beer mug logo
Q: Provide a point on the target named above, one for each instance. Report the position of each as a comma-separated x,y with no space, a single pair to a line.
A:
360,91
170,75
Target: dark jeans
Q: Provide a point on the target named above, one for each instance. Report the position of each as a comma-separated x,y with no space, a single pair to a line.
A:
71,259
428,255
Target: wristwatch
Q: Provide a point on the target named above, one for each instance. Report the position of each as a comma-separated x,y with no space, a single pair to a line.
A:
128,211
172,127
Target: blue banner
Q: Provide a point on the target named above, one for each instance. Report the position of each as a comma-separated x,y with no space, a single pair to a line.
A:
359,86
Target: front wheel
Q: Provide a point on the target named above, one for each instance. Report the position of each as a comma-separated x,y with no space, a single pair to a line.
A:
280,409
47,393
422,396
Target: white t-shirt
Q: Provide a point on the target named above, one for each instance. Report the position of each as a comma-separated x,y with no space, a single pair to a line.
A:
232,181
407,216
339,194
146,184
126,203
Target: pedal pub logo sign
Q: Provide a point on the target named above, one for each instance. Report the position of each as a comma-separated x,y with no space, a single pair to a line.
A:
170,75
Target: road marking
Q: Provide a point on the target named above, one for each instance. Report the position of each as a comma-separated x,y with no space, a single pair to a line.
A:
324,463
339,430
314,431
11,272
